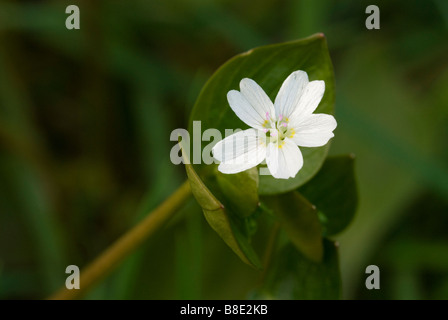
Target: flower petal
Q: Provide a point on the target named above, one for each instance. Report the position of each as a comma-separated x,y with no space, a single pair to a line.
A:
314,130
289,94
310,99
284,162
257,98
240,151
244,110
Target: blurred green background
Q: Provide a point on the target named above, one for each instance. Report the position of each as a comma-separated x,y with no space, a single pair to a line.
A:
85,119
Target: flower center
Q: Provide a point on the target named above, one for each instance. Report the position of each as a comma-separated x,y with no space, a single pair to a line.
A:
277,130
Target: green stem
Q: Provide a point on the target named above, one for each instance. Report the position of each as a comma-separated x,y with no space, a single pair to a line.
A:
270,250
125,245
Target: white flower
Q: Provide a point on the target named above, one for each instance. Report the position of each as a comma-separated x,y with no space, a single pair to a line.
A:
277,128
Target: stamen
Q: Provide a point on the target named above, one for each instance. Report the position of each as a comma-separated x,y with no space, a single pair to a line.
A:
280,118
284,124
267,115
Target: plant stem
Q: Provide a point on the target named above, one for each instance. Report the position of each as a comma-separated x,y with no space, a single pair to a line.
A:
125,245
270,250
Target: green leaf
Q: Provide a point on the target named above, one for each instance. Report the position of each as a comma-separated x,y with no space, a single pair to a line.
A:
269,66
299,219
293,276
241,190
218,218
333,191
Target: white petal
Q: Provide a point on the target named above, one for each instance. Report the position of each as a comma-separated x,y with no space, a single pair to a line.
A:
289,94
257,98
284,162
314,130
244,110
310,99
240,151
